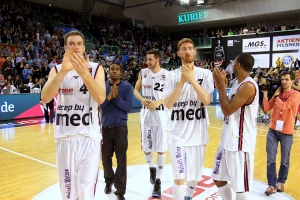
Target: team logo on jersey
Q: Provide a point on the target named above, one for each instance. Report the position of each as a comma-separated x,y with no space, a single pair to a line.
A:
147,86
76,77
65,91
163,76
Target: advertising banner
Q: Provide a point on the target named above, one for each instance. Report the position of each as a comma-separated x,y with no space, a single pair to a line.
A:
19,106
286,42
256,44
286,58
261,60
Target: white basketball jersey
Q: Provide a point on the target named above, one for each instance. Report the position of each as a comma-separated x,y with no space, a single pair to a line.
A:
153,90
239,129
76,111
187,119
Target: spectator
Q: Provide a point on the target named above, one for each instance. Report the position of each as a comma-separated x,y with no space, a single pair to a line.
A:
7,67
278,62
115,111
285,103
25,73
230,32
11,88
245,30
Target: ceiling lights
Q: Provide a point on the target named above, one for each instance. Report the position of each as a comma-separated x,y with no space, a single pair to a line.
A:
184,2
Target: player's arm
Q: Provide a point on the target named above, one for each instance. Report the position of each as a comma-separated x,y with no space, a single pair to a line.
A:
173,93
155,104
96,87
188,72
137,89
52,85
244,95
204,96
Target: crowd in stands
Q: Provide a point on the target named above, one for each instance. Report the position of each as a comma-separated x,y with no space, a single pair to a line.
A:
38,49
261,28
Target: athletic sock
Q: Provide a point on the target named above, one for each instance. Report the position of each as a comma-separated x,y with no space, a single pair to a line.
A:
149,159
241,196
178,191
190,188
225,192
161,162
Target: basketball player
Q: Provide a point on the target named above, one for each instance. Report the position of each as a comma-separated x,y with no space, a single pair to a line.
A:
151,81
189,90
80,87
234,160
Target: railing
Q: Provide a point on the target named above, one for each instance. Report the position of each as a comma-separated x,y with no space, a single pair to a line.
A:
110,49
202,42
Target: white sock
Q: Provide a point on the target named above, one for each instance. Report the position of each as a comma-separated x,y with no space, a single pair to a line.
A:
190,188
149,159
178,191
241,196
225,192
298,122
160,165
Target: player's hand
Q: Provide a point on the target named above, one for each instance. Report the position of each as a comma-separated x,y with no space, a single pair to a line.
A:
66,63
189,71
220,78
183,78
110,95
145,102
153,105
80,64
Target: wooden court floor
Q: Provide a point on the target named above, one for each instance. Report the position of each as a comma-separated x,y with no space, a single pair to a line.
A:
28,166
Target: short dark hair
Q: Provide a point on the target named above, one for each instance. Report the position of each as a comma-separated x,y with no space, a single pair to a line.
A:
115,64
156,53
292,75
246,61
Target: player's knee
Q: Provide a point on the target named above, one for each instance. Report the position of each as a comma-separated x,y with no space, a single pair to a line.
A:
179,181
147,153
161,153
220,183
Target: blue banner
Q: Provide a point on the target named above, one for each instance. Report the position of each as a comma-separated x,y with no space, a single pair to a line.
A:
216,96
17,106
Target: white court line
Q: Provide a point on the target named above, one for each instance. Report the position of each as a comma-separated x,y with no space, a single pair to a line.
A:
22,155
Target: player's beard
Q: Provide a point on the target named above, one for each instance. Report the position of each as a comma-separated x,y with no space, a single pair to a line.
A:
189,58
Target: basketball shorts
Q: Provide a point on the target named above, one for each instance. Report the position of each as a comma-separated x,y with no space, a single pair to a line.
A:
234,166
78,159
154,138
187,161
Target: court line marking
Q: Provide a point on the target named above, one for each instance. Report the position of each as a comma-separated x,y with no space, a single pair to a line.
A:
22,155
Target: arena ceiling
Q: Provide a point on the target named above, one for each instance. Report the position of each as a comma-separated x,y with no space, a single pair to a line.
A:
152,5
